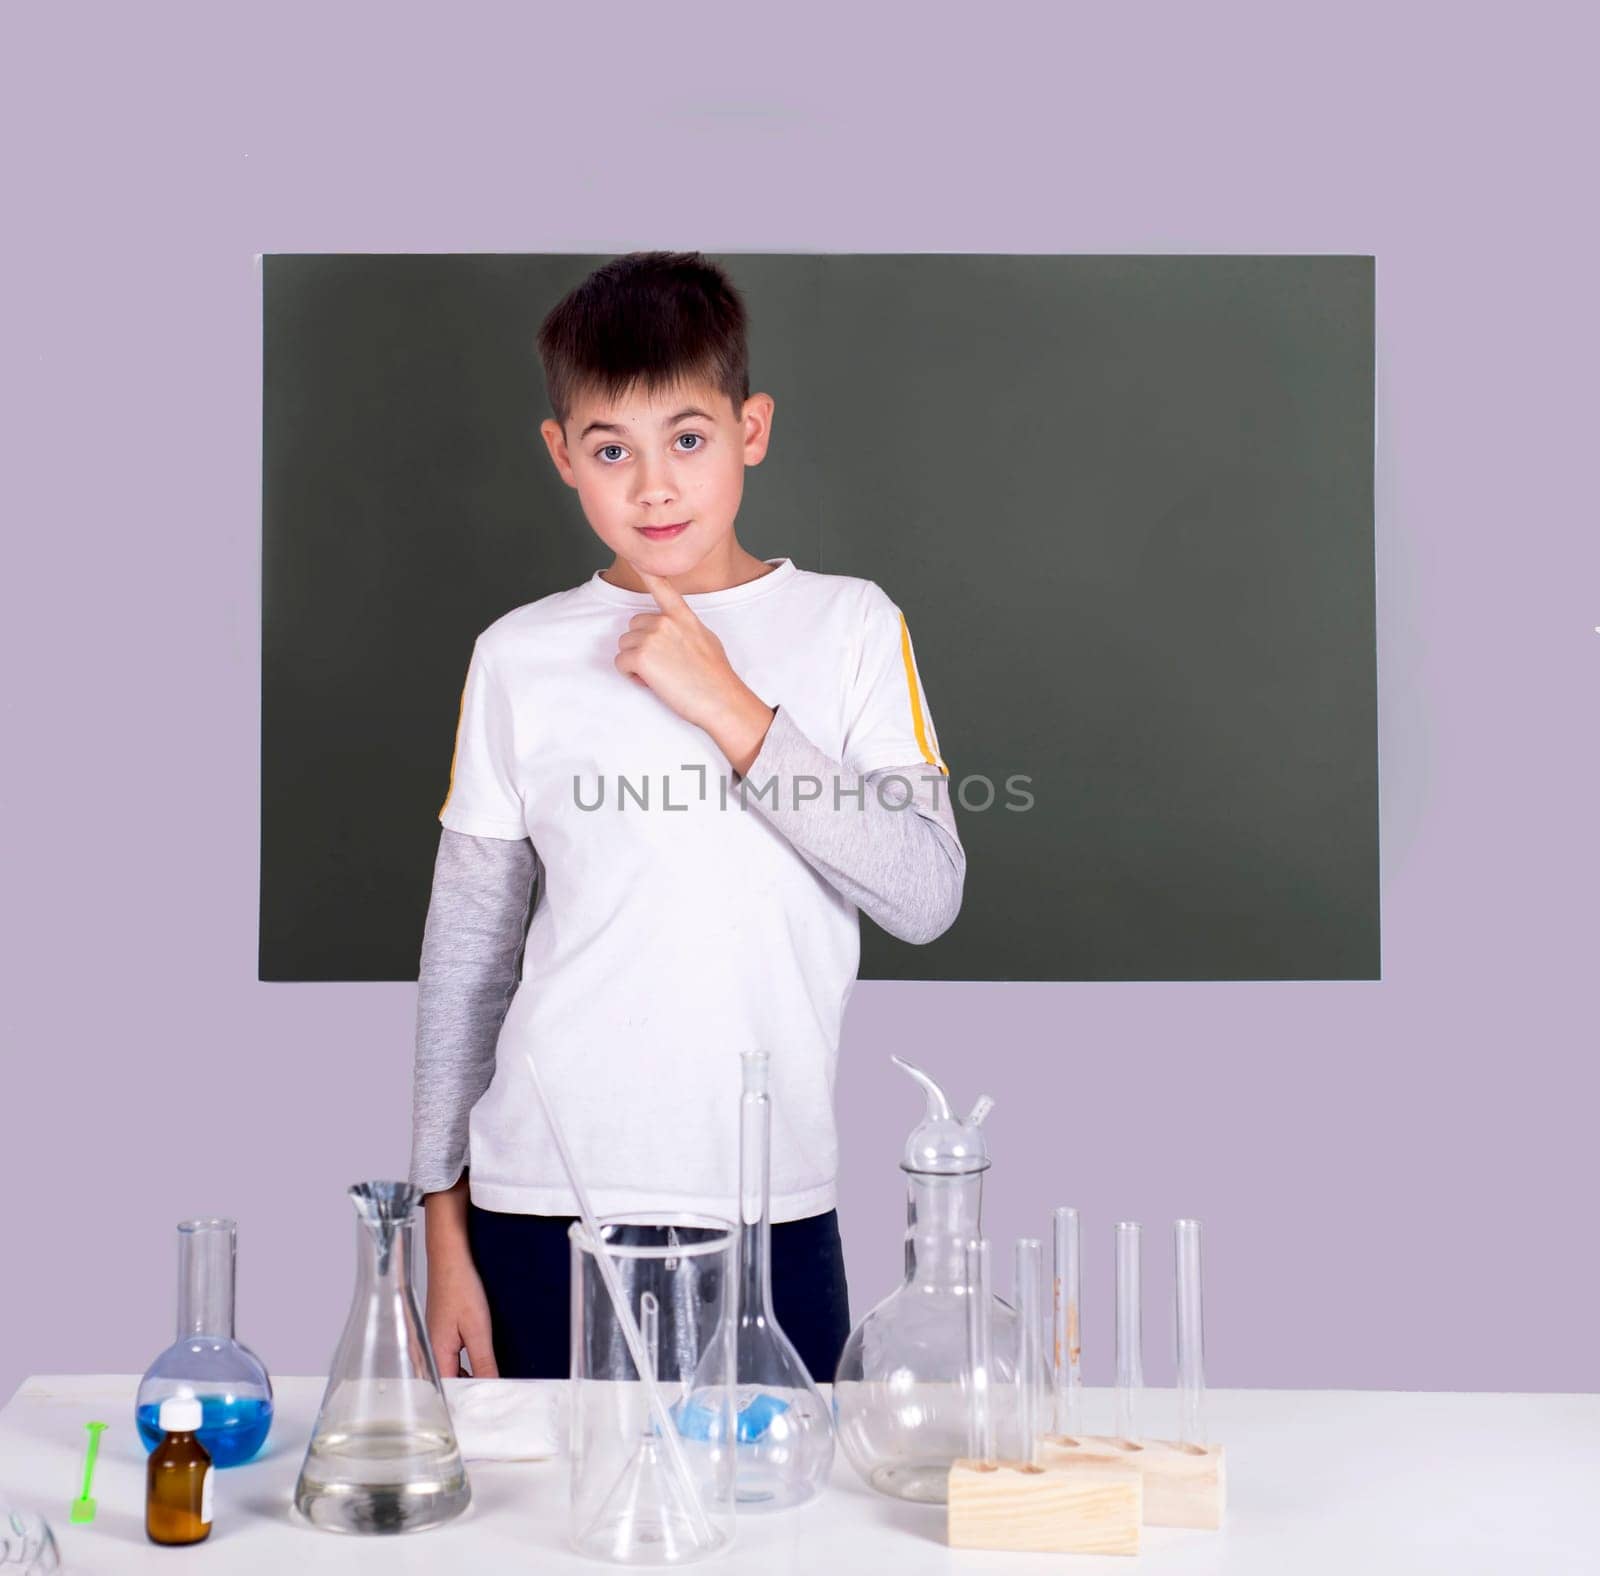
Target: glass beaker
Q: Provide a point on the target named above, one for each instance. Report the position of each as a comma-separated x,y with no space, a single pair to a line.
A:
205,1361
629,1503
383,1455
784,1427
900,1396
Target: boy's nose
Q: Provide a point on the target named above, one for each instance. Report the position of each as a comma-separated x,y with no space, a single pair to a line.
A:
655,492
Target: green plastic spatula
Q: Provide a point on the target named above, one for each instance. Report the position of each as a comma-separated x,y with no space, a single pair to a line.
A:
83,1505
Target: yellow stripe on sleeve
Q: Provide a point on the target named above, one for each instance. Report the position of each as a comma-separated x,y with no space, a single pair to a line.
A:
914,685
455,751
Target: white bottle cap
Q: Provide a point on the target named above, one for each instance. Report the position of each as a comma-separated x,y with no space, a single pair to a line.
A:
180,1414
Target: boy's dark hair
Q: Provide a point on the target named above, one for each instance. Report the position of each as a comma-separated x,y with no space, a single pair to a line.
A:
647,319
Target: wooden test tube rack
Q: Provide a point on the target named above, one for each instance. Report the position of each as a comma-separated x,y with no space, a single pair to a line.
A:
1092,1506
1089,1494
1184,1485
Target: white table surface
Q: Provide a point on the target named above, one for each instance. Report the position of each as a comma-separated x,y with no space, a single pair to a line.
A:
1318,1481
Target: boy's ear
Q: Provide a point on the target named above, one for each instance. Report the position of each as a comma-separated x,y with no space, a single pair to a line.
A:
555,440
757,422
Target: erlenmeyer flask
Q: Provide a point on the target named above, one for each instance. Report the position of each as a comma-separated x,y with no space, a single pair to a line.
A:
784,1429
383,1456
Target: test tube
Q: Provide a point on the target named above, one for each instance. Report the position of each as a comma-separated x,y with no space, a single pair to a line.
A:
650,1329
1130,1361
980,1355
650,1332
1190,1334
1030,1334
1065,1360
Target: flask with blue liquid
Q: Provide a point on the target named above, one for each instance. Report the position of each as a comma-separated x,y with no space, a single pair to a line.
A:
206,1362
783,1429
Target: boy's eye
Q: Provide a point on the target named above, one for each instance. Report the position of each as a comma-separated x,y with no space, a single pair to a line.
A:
606,448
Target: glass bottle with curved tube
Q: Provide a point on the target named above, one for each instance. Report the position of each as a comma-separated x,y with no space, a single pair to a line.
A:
901,1392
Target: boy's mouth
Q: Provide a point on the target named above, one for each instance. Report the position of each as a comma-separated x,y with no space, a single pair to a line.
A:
661,533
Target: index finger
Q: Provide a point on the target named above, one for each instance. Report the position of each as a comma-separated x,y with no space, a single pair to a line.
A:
668,598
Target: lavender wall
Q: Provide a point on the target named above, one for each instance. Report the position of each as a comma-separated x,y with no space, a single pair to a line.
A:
1388,1172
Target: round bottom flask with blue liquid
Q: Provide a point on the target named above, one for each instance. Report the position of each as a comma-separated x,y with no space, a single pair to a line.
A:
205,1361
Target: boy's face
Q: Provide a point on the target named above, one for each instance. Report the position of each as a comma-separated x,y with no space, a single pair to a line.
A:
677,458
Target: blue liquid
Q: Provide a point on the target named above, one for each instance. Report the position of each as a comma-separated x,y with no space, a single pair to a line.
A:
696,1420
231,1430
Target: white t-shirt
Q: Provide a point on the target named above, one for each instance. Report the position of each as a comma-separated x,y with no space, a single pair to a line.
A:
671,934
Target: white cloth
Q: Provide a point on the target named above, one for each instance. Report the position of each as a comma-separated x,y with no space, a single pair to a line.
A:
504,1419
675,925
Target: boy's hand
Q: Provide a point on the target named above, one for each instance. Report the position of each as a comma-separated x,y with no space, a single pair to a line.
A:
458,1316
458,1311
674,655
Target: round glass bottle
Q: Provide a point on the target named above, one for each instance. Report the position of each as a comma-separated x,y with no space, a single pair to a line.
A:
205,1361
900,1394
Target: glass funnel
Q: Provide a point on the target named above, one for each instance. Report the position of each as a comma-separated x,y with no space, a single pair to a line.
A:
383,1455
649,1486
900,1394
784,1427
206,1361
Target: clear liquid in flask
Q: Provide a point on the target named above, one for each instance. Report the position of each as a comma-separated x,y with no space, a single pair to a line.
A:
382,1477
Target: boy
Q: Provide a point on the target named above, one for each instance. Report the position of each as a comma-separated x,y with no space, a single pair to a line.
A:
683,766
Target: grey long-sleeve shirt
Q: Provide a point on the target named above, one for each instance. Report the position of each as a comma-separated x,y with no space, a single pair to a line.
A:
895,854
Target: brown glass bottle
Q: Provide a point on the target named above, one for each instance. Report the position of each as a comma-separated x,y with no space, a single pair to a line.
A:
178,1477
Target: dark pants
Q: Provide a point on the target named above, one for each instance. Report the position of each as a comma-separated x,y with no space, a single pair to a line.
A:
525,1264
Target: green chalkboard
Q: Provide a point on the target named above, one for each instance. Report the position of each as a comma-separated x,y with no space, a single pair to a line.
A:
1125,503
